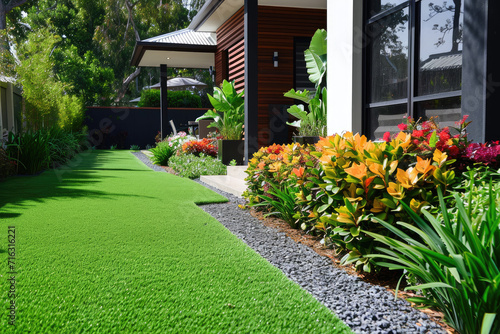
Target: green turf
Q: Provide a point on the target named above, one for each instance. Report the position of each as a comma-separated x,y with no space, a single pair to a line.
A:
109,246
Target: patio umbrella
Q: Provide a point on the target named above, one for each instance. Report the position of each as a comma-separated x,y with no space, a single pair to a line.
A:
179,84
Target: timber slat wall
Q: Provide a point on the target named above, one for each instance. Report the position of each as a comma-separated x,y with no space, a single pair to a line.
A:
228,36
278,27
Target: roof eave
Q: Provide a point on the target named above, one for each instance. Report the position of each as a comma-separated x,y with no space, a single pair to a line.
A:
141,47
205,12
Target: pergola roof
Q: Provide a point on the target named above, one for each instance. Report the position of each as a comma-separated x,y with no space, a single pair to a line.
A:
183,48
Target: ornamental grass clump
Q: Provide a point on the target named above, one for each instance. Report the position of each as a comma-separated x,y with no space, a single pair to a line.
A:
455,258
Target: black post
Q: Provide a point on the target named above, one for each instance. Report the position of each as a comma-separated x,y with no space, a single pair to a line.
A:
163,100
251,79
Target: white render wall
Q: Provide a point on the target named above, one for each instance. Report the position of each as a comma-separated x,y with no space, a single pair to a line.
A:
345,19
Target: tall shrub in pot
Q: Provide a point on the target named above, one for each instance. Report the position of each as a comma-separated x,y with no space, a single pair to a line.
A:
228,118
312,122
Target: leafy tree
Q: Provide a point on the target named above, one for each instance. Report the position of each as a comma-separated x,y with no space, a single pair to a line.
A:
47,100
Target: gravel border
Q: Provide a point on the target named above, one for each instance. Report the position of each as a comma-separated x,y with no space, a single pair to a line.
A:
365,308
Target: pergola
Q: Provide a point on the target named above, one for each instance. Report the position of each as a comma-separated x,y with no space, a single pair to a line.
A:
184,49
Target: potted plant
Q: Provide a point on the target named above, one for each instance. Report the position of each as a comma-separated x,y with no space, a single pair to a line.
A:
228,118
312,122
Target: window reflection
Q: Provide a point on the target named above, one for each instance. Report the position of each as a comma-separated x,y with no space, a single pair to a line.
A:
378,6
441,35
388,72
385,119
448,111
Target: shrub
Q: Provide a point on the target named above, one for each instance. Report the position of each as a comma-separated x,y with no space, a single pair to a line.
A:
192,166
150,98
204,146
30,149
162,153
37,150
63,145
135,148
276,175
175,99
456,259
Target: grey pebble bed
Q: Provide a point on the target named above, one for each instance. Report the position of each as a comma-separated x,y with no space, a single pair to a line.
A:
365,308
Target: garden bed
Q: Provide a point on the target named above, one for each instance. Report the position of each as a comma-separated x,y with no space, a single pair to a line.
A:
365,307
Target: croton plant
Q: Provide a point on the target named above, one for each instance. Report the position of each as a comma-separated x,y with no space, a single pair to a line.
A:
344,183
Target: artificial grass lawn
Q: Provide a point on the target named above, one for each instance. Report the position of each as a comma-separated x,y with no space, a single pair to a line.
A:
110,246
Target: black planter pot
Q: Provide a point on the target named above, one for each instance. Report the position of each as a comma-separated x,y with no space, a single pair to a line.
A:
311,140
231,150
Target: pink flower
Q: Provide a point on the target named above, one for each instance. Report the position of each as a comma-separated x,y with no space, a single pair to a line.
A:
462,121
403,127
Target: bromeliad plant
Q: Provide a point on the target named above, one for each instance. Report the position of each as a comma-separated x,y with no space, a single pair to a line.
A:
456,258
229,111
313,121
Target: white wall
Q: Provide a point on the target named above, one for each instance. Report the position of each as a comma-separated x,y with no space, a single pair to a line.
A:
344,65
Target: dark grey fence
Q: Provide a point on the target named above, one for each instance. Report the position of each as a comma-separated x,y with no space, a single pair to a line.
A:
126,126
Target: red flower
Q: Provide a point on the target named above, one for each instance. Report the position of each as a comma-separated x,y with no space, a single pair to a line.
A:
418,133
403,127
444,135
387,136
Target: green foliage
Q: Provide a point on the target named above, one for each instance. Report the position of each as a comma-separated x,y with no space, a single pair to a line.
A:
63,145
316,58
192,166
175,99
229,111
85,75
47,101
135,148
162,153
183,99
150,98
37,150
30,149
281,202
456,258
312,122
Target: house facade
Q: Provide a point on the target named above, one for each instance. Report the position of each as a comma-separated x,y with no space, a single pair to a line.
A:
393,58
387,59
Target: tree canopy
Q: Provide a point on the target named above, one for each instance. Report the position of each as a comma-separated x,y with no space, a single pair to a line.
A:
91,41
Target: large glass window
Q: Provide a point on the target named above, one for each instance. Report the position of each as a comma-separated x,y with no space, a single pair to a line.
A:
377,6
388,70
413,58
440,56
